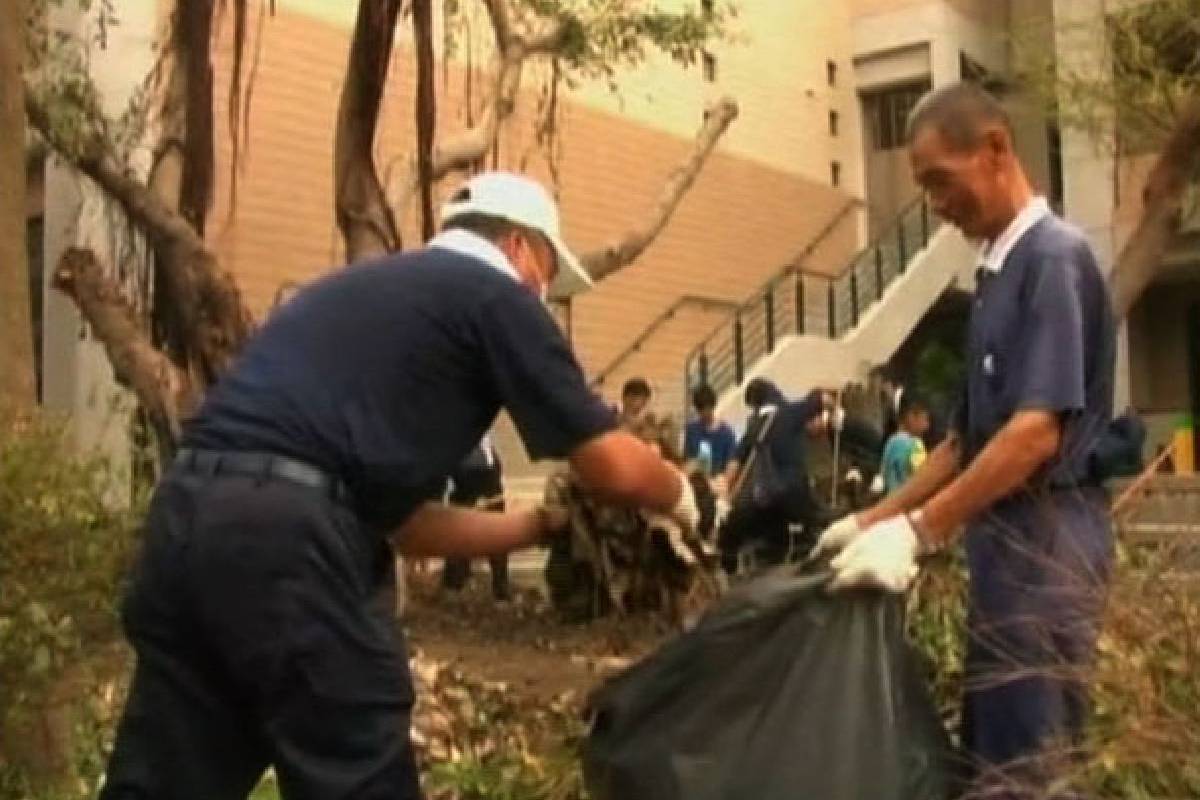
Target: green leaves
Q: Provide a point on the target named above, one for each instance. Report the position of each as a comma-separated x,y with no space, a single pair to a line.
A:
66,537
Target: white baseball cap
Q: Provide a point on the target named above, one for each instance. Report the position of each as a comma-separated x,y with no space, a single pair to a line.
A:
524,202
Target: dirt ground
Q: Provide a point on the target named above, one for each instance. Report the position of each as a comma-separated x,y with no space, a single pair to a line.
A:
520,642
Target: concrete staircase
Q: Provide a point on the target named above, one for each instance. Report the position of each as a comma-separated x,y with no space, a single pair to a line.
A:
803,330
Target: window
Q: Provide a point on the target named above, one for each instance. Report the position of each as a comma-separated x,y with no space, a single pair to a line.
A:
834,120
886,113
710,67
831,72
835,173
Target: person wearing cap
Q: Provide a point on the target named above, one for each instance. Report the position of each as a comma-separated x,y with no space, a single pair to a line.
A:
252,607
1017,471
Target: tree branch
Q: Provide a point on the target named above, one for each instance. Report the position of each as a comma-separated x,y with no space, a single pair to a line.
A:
612,257
161,388
467,148
205,296
1142,254
366,220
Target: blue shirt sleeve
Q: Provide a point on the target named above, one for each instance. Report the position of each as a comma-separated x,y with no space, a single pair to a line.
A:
1050,369
537,378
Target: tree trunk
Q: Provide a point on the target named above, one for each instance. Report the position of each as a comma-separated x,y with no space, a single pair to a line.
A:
363,214
17,383
422,12
1142,256
164,391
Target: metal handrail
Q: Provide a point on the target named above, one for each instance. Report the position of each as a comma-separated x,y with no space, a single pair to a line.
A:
848,290
794,266
671,310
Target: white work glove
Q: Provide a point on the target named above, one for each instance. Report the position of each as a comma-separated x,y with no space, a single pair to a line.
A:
836,536
883,557
686,512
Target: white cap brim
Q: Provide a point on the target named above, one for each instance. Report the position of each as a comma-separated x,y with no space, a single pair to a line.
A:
572,278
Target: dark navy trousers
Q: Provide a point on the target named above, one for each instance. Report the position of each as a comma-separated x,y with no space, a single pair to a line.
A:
258,643
1039,568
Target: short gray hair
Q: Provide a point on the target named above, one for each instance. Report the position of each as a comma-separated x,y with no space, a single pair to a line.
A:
958,112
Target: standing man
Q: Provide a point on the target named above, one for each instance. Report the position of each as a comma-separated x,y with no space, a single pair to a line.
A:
768,475
1015,471
706,439
478,482
251,609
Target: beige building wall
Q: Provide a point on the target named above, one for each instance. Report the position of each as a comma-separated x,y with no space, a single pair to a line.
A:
991,12
741,222
777,66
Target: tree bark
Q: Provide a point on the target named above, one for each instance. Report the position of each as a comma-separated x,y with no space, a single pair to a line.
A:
205,296
17,381
363,214
426,116
163,390
1142,256
622,252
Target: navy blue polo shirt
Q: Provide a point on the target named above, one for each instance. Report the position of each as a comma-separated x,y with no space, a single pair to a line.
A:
388,373
1042,336
786,440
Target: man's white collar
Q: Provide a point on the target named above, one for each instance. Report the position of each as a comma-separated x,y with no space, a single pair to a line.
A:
993,254
474,245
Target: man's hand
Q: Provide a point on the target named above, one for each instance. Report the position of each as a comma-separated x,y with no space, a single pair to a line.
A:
686,512
554,518
835,538
883,557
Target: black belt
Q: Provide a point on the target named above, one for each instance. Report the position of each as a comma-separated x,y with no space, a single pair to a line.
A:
266,466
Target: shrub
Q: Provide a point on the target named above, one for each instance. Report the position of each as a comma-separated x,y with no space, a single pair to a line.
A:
66,536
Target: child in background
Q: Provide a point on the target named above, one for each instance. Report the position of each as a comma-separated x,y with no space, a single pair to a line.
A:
905,451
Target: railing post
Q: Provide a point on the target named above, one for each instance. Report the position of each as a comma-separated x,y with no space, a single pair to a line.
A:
703,365
799,304
924,222
738,355
769,309
878,273
854,296
902,246
832,311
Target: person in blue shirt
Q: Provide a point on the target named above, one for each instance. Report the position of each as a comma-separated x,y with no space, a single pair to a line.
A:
904,452
708,441
768,480
1016,471
252,609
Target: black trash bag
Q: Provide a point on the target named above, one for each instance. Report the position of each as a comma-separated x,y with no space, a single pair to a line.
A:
781,692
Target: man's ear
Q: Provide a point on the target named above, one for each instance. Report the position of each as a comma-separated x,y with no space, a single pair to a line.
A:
998,145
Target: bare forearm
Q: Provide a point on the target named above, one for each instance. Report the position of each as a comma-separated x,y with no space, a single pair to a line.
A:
440,530
1012,456
622,469
937,471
